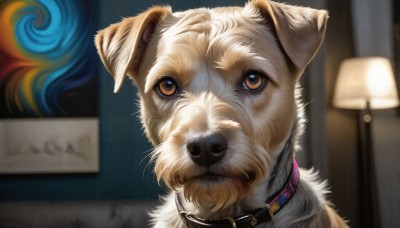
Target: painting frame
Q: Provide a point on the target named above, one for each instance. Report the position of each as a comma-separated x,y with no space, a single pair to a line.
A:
40,146
48,87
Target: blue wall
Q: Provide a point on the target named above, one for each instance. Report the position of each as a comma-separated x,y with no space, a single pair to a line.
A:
124,173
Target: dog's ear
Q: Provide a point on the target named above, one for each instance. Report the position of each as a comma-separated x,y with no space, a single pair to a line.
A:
122,45
300,30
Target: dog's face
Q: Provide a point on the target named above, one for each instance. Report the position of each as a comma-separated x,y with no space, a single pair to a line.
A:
217,89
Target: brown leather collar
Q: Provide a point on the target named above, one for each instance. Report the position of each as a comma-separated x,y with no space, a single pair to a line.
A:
251,219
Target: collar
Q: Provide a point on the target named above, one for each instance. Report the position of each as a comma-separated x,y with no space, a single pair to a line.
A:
252,218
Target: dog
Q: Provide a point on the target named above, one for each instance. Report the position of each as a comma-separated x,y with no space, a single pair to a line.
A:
220,103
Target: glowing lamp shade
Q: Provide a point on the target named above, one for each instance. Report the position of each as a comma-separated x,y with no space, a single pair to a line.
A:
365,80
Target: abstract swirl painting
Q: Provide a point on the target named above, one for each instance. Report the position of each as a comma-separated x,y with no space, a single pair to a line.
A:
48,62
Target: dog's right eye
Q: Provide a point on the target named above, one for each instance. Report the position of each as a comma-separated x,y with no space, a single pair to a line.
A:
254,81
167,87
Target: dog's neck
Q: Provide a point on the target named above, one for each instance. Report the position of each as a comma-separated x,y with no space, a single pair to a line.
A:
282,167
272,186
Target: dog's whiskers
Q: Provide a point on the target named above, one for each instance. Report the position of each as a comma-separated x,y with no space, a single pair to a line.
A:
147,156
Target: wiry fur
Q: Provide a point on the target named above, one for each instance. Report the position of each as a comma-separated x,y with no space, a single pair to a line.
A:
207,51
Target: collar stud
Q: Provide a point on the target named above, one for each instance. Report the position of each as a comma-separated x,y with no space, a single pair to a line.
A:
253,221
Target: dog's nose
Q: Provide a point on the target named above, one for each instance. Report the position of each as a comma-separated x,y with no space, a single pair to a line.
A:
207,150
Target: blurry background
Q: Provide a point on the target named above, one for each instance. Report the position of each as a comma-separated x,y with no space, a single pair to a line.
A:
124,188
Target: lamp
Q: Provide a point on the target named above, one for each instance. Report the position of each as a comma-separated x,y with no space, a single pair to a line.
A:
364,84
366,80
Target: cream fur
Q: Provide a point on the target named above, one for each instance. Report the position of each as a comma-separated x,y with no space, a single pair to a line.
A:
206,52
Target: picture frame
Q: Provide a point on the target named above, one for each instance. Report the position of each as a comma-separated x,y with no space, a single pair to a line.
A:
67,145
48,87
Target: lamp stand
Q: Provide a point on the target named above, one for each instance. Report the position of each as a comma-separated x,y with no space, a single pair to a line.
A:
369,213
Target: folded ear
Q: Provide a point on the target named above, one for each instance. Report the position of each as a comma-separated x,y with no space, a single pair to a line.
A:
122,45
300,30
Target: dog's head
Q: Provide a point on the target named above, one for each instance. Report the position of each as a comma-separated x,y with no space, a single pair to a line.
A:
217,89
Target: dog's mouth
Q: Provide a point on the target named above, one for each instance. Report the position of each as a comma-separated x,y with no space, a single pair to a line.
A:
211,177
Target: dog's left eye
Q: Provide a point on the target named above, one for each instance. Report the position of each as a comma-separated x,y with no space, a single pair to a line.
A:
167,87
254,81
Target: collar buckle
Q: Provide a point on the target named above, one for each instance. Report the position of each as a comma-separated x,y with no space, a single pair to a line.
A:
270,212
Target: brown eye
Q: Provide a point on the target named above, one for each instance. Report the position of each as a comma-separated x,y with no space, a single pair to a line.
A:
167,87
254,81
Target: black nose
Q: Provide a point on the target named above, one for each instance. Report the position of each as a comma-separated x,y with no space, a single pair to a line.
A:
207,150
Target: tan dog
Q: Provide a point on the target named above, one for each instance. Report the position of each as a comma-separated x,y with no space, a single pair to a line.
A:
218,102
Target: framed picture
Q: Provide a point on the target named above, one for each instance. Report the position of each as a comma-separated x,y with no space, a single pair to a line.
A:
48,86
49,145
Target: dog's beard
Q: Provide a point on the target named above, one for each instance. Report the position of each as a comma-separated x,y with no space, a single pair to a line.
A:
214,194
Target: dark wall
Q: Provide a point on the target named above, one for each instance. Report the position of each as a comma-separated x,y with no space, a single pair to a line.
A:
341,125
396,20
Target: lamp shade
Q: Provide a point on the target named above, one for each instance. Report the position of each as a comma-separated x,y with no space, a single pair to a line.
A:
367,79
